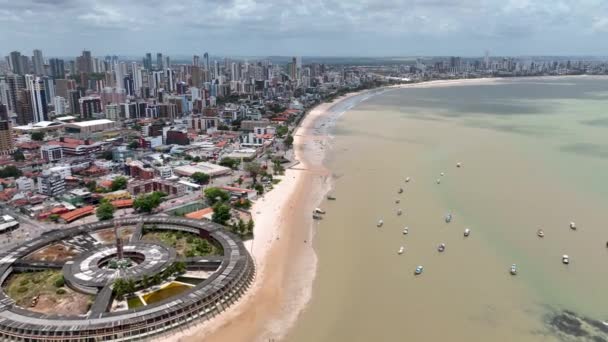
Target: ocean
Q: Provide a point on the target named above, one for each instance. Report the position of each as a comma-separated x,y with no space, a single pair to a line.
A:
533,155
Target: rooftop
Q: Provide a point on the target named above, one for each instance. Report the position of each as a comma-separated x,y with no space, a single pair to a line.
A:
91,123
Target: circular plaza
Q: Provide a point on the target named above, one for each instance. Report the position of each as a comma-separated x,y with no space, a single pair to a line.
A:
121,280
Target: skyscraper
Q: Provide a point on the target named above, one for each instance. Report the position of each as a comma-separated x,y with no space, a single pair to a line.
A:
38,62
57,68
148,61
39,107
16,62
15,84
84,63
159,61
196,60
206,57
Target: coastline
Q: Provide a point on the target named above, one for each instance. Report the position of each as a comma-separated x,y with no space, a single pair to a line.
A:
286,265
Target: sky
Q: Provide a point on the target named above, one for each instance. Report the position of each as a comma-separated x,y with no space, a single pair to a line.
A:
305,27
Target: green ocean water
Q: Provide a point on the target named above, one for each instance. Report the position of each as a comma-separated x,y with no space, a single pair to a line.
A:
534,154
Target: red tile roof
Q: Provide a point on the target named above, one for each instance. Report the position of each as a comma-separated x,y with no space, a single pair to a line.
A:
199,214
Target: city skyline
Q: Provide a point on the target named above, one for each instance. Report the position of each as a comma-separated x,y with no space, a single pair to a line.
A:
321,28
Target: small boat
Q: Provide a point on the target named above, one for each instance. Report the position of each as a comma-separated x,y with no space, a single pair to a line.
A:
540,233
572,225
467,232
419,270
458,165
407,180
406,230
399,212
319,211
317,217
438,181
380,223
442,174
565,259
400,191
397,201
331,198
448,218
401,249
513,270
441,247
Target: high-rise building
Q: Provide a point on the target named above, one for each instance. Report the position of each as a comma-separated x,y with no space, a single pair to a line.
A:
39,104
206,57
51,183
15,83
74,97
57,68
60,105
84,63
16,63
89,105
148,61
38,62
62,86
166,62
23,107
159,61
49,88
196,78
6,136
196,60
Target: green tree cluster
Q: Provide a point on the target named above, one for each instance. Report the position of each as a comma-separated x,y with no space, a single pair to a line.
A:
288,141
37,136
254,169
10,171
18,156
282,130
200,178
215,195
221,213
230,162
119,183
105,211
243,229
148,202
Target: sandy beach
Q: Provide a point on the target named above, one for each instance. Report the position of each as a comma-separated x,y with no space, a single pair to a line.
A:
282,248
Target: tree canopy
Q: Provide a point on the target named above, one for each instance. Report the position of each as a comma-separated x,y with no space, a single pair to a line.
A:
105,211
133,144
10,171
254,169
18,156
37,135
221,213
119,183
200,178
215,195
230,162
148,202
288,141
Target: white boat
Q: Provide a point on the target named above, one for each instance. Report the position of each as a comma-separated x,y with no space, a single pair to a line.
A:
419,270
407,180
401,249
319,211
540,233
441,247
438,181
380,223
406,230
458,165
448,218
467,232
513,270
399,212
400,191
572,225
442,174
565,259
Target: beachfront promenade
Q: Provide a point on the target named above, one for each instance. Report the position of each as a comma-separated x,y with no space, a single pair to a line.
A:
235,273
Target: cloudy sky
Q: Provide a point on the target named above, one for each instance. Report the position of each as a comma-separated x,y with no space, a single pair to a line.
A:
306,27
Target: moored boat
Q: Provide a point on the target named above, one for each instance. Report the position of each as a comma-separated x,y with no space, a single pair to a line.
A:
331,198
419,270
406,231
399,212
401,249
513,270
565,259
407,179
540,233
467,232
380,223
441,247
319,211
572,225
448,218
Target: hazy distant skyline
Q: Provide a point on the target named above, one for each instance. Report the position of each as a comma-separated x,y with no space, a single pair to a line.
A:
305,27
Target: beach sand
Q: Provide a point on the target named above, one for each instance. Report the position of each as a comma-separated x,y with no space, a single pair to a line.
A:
282,248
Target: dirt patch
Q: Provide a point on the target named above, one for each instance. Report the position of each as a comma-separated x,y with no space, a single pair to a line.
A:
185,244
45,292
55,252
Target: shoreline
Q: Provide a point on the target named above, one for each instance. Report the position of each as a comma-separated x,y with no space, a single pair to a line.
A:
285,266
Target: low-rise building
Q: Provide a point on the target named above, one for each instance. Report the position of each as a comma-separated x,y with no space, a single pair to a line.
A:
212,170
25,184
51,184
90,126
152,185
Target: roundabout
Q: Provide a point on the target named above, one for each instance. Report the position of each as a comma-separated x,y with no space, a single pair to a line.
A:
64,285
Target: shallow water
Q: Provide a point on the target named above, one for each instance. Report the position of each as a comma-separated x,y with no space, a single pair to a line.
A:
534,154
